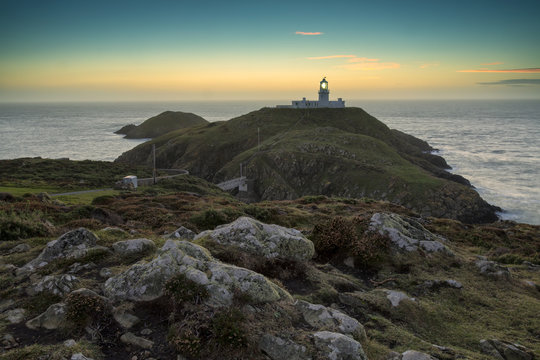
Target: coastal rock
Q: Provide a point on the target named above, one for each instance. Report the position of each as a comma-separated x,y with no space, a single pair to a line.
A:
322,317
406,234
54,284
53,318
161,124
181,233
73,244
503,350
145,281
492,269
269,241
137,341
336,346
281,349
125,129
133,246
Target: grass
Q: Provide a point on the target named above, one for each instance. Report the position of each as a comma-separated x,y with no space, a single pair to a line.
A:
86,198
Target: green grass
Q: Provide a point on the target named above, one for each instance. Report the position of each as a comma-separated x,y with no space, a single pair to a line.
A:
21,190
86,198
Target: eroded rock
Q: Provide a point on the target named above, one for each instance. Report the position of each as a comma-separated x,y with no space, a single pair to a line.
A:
181,233
269,241
54,284
53,318
280,349
145,281
335,346
133,246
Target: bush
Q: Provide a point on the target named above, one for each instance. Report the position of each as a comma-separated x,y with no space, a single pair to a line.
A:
227,329
183,290
332,236
86,310
209,219
14,225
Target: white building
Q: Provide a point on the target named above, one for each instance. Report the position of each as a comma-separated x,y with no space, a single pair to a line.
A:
323,102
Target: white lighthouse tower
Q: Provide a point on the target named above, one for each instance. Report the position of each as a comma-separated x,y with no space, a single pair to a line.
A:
323,102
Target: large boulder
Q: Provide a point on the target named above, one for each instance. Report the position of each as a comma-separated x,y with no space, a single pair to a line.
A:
133,246
281,349
73,244
335,346
181,233
54,284
322,317
53,318
145,281
406,234
269,241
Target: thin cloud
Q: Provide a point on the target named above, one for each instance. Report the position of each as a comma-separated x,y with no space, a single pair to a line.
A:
493,63
366,66
308,33
425,66
331,57
513,82
362,59
526,70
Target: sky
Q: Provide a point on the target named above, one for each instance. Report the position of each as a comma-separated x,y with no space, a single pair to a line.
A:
255,50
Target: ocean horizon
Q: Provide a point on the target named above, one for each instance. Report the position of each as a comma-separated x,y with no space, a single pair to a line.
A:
492,143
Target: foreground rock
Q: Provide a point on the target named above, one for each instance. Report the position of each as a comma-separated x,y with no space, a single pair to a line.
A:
503,350
255,237
280,349
336,346
145,281
406,234
492,270
53,318
54,284
133,246
73,244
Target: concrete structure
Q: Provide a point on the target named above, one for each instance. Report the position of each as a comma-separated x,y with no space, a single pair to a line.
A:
130,179
323,102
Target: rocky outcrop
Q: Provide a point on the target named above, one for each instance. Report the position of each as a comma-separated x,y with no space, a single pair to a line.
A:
282,349
73,244
406,234
161,124
337,346
181,233
53,318
133,246
492,270
503,350
54,284
145,281
269,241
322,317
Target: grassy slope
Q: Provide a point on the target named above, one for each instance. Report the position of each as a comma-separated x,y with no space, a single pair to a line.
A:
164,123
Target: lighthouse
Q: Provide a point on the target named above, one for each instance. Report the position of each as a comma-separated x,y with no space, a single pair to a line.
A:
323,102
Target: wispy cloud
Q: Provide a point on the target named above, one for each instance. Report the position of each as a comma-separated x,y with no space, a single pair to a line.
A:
427,65
526,70
308,33
493,63
331,57
366,66
513,82
362,59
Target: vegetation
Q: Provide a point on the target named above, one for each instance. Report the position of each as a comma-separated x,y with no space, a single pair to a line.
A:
163,123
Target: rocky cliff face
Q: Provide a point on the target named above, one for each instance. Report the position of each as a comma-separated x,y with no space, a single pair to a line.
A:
334,152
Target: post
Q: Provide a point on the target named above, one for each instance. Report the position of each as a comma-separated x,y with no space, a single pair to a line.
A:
154,155
240,169
259,139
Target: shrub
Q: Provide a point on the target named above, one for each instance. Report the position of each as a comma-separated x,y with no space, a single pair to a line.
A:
227,329
183,290
15,225
86,310
331,236
209,219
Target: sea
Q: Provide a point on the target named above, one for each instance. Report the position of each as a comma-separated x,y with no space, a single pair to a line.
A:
495,144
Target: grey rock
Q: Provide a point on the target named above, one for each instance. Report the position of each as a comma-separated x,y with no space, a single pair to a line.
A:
54,284
395,297
145,281
181,233
281,349
53,318
125,319
146,331
269,241
19,249
433,285
79,356
505,350
8,342
131,339
407,234
6,304
105,273
335,346
322,317
415,355
73,244
78,267
70,343
392,355
15,316
133,246
492,269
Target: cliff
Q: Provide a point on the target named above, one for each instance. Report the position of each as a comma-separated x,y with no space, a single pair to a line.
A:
333,152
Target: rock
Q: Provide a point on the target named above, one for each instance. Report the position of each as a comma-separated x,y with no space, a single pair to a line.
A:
19,249
133,246
492,269
322,317
392,355
79,356
125,129
435,285
145,281
105,273
504,350
70,343
78,267
54,284
125,319
106,216
146,331
255,237
15,316
115,231
336,346
73,244
406,234
131,339
281,349
181,233
6,304
395,297
8,342
415,355
53,318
